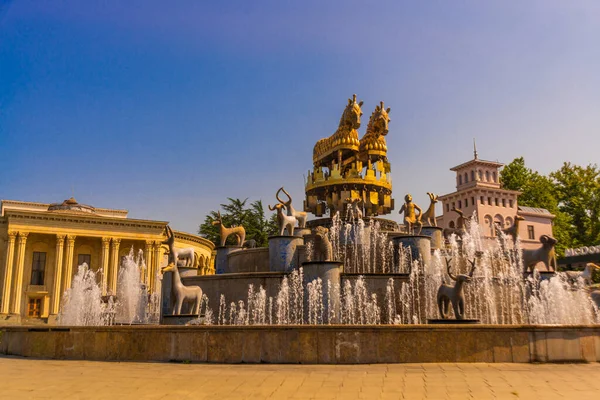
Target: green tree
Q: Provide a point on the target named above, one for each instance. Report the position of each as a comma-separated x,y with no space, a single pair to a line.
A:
235,213
538,190
578,192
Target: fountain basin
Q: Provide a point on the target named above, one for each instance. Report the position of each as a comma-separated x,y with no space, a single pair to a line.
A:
329,344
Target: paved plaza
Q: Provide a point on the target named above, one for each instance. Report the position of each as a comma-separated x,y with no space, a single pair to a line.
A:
22,378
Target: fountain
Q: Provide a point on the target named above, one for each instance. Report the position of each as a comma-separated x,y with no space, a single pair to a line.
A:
348,288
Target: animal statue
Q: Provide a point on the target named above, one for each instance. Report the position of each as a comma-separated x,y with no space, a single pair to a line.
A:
182,292
346,133
372,145
299,215
284,221
410,216
512,231
249,244
355,210
545,254
586,274
595,295
461,227
428,217
323,250
454,294
238,231
187,254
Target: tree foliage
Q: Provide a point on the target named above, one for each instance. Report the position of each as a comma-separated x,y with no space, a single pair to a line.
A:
236,213
572,194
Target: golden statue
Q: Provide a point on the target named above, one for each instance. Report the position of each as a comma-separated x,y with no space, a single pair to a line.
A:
348,170
410,216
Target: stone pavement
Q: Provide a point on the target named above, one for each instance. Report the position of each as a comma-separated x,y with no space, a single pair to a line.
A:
22,378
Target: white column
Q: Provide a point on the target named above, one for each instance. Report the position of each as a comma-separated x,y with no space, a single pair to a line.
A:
58,267
8,272
18,291
104,263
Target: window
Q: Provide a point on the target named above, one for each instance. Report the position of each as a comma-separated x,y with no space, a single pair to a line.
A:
489,201
84,258
466,202
460,179
530,232
38,268
482,200
447,207
451,224
473,201
496,201
472,175
34,307
453,205
503,202
487,176
480,175
466,178
495,178
510,203
459,204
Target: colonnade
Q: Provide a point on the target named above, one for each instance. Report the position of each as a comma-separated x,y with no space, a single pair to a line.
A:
13,289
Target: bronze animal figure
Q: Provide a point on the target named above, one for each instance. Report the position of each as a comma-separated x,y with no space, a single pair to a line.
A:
544,254
238,231
454,294
428,217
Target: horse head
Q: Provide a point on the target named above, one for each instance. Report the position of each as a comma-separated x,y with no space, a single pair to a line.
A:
352,113
379,121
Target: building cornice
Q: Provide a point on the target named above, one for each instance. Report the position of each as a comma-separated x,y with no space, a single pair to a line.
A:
486,163
478,188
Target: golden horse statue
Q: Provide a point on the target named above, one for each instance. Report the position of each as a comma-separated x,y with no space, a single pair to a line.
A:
345,138
373,146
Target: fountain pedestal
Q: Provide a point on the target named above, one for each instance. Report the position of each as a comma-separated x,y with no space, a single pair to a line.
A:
435,233
449,321
420,247
221,264
283,253
330,274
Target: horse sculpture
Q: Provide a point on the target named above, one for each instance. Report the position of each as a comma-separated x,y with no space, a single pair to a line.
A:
238,231
372,145
454,294
345,136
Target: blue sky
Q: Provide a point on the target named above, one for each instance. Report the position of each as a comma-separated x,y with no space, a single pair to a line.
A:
167,109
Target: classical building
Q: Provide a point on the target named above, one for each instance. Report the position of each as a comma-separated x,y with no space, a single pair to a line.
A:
41,246
478,190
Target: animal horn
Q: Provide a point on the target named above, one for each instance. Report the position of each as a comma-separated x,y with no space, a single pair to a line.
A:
287,194
448,262
277,195
381,105
272,208
354,98
473,264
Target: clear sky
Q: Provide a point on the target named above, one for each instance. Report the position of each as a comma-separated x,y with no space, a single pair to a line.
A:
167,108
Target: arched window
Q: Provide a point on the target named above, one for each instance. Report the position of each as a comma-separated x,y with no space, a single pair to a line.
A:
495,177
480,175
472,175
466,177
487,176
451,225
460,179
508,222
489,225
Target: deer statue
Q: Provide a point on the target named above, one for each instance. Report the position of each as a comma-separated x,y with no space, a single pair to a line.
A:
586,274
512,231
454,294
428,217
182,292
238,231
187,254
299,215
284,221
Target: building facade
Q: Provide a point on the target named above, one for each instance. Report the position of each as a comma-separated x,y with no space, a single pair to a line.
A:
478,190
41,246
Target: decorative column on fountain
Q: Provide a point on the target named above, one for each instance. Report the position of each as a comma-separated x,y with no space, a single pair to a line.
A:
114,266
58,266
104,263
419,245
18,291
8,272
322,267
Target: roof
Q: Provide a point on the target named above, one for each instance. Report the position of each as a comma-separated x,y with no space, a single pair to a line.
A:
534,210
477,161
